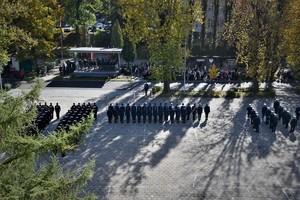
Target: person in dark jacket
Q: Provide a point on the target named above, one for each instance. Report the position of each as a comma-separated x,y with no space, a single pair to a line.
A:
276,105
287,119
109,114
95,110
188,111
256,122
268,115
263,112
122,113
149,112
57,110
51,108
293,124
249,109
297,112
160,113
127,113
194,111
183,113
274,123
146,88
166,112
144,112
177,112
139,113
155,112
199,111
206,111
133,113
280,111
172,112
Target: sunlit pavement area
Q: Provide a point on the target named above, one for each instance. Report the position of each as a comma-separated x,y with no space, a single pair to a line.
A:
222,158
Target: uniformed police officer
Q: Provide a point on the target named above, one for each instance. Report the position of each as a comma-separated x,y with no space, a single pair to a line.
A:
144,112
268,115
256,122
139,112
172,112
95,110
166,112
149,112
206,111
194,111
127,112
271,120
274,123
297,112
133,112
249,109
155,113
57,110
293,124
188,111
51,108
252,116
177,112
280,111
199,111
183,113
283,116
109,113
160,113
122,112
263,112
109,107
276,105
116,112
287,119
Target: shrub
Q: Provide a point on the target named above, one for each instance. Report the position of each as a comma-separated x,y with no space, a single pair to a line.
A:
7,86
231,94
155,89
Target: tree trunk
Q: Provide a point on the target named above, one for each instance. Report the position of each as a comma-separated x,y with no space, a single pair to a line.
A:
166,87
255,86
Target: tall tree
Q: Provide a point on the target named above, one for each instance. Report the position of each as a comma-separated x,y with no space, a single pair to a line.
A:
164,25
253,31
116,36
24,171
129,51
80,13
290,34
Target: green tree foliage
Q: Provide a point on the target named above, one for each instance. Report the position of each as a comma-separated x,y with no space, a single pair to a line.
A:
80,13
129,51
162,24
253,30
213,72
116,36
290,34
24,174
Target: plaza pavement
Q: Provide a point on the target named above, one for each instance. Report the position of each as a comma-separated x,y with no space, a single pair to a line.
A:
222,158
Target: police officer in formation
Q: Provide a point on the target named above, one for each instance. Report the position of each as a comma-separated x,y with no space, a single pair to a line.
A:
188,111
155,112
133,113
276,105
127,112
57,110
172,112
149,112
183,113
139,113
194,111
122,113
160,113
43,118
297,112
293,124
199,111
110,113
206,111
263,112
144,112
166,112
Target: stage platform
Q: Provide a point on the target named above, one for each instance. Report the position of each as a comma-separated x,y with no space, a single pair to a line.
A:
96,72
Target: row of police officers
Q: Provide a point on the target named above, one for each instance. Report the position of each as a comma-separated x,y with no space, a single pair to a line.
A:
273,117
155,113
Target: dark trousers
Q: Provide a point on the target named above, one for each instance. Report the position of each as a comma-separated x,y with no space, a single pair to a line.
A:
292,129
57,115
139,118
194,116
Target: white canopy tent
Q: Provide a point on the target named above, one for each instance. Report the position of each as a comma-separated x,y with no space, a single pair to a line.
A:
98,50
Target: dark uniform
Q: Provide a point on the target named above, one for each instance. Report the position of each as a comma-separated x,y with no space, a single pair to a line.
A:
146,88
252,116
149,112
183,113
263,112
206,111
256,122
122,113
155,113
116,112
127,113
160,113
177,112
133,113
139,113
194,111
95,110
109,113
297,112
144,112
280,111
249,109
51,110
293,124
172,112
271,120
57,110
268,115
283,116
287,119
166,112
188,111
276,105
274,123
199,111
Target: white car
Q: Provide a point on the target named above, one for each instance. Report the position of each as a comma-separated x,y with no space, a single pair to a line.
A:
68,28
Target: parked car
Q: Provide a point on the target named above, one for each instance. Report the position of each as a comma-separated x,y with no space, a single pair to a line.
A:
68,28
